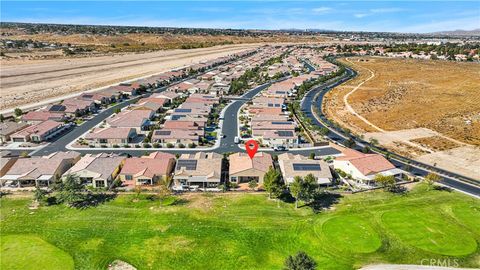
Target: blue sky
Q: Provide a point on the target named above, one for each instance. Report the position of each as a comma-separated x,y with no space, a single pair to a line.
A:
392,16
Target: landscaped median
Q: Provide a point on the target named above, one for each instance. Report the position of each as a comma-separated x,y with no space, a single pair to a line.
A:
242,231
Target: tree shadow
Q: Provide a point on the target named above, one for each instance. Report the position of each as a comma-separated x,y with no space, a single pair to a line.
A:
93,200
324,201
180,201
286,197
443,188
399,190
4,193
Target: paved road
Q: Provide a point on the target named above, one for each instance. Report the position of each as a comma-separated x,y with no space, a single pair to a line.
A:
314,98
229,128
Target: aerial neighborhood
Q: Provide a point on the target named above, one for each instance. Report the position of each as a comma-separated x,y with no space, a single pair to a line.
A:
179,123
295,135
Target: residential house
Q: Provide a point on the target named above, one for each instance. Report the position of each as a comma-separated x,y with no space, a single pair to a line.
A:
147,170
176,136
126,89
98,171
111,136
169,95
76,107
39,170
200,170
137,119
364,167
244,169
39,132
297,165
36,117
8,128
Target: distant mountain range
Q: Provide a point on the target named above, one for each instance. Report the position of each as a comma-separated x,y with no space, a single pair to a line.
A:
474,32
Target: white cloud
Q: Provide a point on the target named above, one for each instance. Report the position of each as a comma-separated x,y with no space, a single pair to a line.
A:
361,15
377,11
322,10
386,10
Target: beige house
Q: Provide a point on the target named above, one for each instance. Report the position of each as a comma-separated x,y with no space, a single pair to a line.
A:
8,128
97,170
147,170
297,165
199,170
111,136
243,169
39,171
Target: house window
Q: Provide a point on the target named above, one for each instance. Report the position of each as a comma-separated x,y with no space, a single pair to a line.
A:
128,177
233,179
99,183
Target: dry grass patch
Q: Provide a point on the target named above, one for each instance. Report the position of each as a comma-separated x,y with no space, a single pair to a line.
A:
407,93
436,143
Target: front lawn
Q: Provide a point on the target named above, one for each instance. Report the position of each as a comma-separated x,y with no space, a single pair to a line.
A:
241,231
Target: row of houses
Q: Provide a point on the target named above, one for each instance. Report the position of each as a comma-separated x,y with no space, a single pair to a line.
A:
197,170
184,124
266,115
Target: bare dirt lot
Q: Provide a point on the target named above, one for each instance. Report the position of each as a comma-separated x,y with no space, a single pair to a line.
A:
415,107
27,81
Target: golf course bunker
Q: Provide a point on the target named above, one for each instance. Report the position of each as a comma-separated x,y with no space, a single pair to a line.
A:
351,233
431,231
31,252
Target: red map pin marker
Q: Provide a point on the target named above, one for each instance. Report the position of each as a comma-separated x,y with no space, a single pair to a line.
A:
251,146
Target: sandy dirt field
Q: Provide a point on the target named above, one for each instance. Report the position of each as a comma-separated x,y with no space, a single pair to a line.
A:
427,110
27,81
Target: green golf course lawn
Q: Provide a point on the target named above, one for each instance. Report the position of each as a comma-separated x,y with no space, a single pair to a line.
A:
241,231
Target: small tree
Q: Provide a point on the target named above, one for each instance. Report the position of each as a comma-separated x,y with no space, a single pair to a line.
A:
312,155
432,178
350,143
296,189
373,141
2,118
70,190
387,182
272,182
24,154
323,131
18,112
163,188
301,261
117,110
39,195
252,184
309,188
